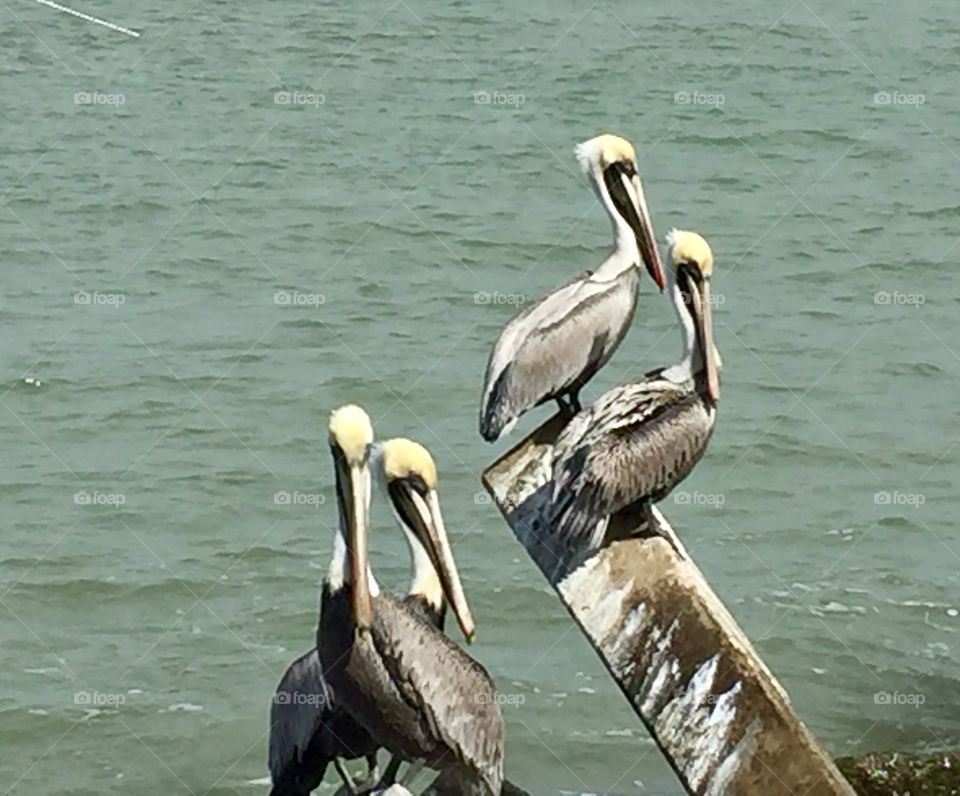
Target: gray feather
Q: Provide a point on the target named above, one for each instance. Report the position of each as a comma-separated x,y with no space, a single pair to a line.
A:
453,694
555,346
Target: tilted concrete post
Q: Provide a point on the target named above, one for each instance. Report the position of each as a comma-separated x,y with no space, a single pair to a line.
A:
720,718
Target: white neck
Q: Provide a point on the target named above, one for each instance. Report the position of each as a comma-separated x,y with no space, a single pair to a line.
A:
625,253
338,573
423,577
683,371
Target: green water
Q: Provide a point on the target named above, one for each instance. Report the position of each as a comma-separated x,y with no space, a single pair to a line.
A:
181,197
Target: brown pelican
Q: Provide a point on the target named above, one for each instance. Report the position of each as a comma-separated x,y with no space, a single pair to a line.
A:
308,728
417,693
550,350
638,441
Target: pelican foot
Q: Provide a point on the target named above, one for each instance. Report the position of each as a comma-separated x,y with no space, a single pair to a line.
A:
363,787
568,407
655,528
371,783
412,772
390,775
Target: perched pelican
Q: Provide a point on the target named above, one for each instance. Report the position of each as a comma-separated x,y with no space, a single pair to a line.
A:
550,350
417,693
640,440
308,728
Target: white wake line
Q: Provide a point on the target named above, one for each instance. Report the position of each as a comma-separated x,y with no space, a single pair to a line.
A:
88,18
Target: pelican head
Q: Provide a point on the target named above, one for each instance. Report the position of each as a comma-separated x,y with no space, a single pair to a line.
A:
691,268
409,475
351,433
611,164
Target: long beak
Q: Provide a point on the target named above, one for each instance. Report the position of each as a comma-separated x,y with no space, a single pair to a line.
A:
643,229
704,320
359,557
438,548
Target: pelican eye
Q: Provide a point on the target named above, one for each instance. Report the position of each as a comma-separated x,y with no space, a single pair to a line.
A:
628,168
417,484
691,270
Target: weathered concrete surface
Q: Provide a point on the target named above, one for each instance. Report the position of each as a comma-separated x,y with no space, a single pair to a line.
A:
717,713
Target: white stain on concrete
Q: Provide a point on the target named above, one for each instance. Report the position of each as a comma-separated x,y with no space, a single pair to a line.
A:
721,782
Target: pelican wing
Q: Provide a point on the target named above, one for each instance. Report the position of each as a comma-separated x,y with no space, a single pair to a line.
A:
637,442
450,691
297,712
556,344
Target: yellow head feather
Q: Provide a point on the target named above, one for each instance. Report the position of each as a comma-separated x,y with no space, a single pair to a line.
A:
404,457
604,150
351,429
689,247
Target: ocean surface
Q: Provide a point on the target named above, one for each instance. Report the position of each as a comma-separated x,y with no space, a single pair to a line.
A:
212,235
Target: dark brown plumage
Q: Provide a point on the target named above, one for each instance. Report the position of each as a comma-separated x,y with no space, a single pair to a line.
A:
415,690
309,729
636,443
